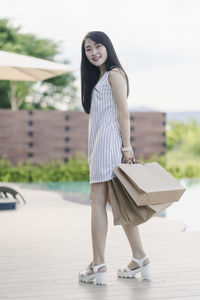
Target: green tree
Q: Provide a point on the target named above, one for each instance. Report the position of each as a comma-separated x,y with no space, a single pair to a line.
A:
13,94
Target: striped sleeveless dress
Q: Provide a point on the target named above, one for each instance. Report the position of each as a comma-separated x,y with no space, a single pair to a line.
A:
104,137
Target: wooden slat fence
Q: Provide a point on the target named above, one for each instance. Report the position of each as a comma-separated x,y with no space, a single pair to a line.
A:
41,135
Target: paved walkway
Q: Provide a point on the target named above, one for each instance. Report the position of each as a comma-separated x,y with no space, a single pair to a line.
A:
45,243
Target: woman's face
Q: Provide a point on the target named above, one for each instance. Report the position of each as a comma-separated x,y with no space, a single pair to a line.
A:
95,52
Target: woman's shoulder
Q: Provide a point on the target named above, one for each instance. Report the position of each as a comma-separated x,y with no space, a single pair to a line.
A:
116,69
116,72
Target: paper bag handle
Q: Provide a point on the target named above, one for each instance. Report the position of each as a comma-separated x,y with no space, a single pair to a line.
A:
138,162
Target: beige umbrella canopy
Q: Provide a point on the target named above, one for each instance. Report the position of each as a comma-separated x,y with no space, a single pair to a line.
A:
15,66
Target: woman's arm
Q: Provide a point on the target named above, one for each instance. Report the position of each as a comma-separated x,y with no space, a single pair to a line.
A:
118,84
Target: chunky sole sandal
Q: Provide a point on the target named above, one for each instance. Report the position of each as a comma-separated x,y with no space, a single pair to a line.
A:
100,278
144,270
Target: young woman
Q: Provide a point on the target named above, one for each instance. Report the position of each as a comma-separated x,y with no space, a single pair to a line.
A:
105,88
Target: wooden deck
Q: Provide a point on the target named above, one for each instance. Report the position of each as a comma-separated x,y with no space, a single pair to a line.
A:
45,243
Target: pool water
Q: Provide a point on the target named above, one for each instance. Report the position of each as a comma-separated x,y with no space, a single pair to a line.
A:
68,186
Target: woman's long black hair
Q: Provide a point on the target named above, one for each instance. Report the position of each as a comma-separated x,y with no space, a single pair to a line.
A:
89,73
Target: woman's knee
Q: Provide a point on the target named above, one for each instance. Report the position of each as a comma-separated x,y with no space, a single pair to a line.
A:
99,193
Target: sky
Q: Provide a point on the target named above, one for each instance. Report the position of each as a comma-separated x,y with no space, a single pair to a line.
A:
157,42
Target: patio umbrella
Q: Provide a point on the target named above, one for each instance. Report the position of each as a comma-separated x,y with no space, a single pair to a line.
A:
15,66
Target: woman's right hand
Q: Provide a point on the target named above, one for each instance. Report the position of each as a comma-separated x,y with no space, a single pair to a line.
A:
128,157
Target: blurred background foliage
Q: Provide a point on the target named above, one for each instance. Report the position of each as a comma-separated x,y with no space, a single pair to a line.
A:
75,169
182,159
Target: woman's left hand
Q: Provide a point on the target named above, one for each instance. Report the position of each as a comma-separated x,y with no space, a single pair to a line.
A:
128,157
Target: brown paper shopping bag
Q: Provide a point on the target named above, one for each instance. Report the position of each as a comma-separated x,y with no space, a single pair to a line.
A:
149,183
119,216
124,208
139,191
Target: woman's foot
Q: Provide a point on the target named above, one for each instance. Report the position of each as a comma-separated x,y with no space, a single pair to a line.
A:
97,272
133,265
89,270
137,265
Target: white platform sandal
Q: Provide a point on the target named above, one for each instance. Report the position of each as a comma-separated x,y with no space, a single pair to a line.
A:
99,277
144,270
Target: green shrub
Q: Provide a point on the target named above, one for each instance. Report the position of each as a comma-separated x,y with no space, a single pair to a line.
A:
184,168
178,164
161,159
76,169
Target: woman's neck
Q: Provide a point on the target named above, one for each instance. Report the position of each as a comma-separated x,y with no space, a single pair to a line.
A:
102,70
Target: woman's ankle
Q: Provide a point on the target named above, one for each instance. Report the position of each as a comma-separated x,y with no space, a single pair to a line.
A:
141,255
99,262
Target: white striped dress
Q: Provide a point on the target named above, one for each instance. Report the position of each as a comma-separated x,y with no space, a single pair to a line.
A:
104,137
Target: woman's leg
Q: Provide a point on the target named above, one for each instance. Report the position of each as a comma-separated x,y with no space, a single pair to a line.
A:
99,221
133,235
